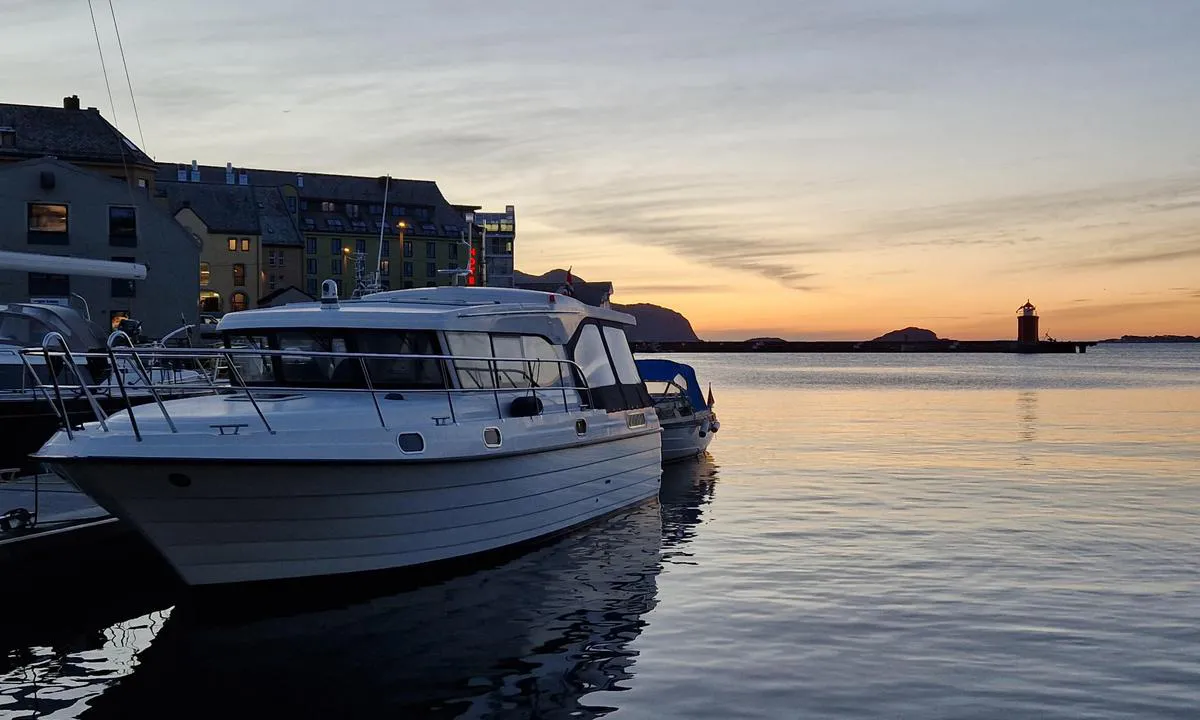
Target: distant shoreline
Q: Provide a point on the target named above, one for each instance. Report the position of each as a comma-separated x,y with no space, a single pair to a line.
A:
1150,339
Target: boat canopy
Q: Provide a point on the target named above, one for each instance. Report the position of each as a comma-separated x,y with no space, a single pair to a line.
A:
25,324
669,371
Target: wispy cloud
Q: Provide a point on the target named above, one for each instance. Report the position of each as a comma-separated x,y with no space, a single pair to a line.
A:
1137,258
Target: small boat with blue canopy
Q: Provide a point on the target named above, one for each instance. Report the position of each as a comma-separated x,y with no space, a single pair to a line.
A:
687,417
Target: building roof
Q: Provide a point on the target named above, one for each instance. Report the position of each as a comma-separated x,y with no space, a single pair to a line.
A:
68,134
590,293
362,190
274,220
223,208
295,295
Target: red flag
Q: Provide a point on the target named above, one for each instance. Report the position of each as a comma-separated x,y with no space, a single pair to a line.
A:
711,402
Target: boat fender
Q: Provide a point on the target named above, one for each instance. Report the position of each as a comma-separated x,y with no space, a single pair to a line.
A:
15,519
526,406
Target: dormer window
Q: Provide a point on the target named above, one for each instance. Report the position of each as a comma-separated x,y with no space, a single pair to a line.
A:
8,137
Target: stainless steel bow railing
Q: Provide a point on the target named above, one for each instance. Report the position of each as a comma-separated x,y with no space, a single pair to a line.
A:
221,375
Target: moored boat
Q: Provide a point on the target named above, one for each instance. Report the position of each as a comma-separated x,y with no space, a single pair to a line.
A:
402,428
27,421
687,417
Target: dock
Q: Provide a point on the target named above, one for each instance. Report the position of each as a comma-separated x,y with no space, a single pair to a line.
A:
58,550
866,346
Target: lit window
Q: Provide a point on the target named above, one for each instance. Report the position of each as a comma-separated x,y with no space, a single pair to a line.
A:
328,207
239,273
47,218
245,244
237,301
204,274
232,244
385,267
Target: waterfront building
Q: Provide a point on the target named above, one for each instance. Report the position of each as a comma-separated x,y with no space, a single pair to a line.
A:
75,135
498,232
340,220
251,243
52,207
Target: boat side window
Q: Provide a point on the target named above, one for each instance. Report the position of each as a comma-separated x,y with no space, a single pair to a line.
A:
591,357
20,330
547,373
402,373
312,370
618,347
253,369
510,374
472,374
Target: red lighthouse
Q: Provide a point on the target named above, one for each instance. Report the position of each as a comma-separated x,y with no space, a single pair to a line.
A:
1027,324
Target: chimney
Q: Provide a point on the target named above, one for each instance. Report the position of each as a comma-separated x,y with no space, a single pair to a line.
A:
195,172
299,180
71,103
243,177
228,173
181,173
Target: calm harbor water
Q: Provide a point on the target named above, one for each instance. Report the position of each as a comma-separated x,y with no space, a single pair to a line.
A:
872,536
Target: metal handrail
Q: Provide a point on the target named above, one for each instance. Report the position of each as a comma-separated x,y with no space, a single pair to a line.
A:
137,360
69,362
241,386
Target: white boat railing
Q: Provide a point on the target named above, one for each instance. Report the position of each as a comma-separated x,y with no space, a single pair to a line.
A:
213,362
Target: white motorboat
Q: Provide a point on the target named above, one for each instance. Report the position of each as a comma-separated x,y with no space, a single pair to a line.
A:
687,417
402,428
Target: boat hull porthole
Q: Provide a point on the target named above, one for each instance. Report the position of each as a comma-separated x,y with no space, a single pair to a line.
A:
581,427
492,438
411,442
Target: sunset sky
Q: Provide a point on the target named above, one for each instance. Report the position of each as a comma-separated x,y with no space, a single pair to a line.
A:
801,168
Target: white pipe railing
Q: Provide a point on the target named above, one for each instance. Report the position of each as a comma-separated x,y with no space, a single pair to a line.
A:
238,385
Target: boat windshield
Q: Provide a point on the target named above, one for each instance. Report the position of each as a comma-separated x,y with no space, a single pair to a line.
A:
22,330
298,369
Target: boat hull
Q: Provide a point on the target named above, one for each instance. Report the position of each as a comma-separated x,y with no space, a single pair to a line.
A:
223,523
686,438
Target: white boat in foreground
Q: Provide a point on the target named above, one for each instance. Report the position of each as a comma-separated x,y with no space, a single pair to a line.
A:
402,428
687,417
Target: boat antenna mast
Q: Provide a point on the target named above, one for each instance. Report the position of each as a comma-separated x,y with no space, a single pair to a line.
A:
364,285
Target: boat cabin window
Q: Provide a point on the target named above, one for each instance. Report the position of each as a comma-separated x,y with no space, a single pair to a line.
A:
517,366
591,356
618,348
297,369
22,330
608,365
676,386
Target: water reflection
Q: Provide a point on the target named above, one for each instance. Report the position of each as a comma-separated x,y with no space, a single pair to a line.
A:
547,634
1027,426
